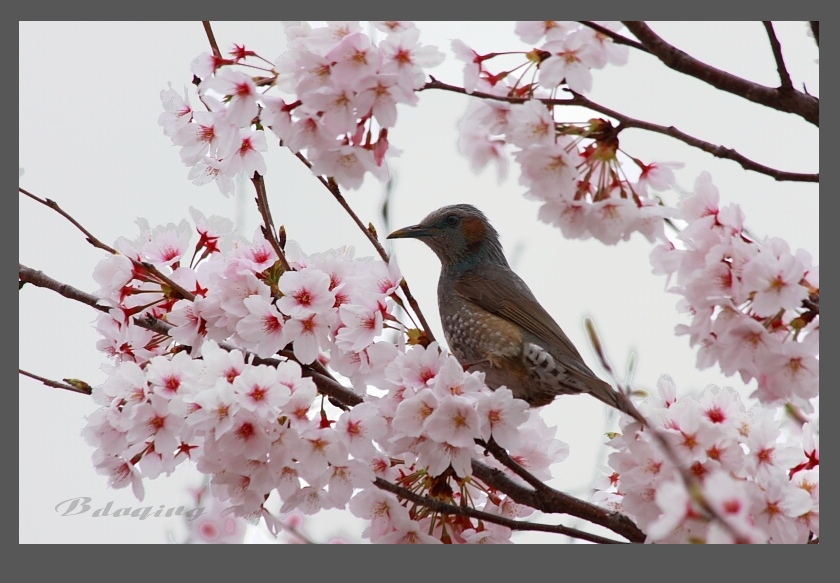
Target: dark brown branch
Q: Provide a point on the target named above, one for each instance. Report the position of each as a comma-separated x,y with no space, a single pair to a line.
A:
211,38
784,76
544,490
333,188
782,99
815,29
445,508
39,279
617,38
627,122
504,458
269,231
85,390
719,151
333,388
555,502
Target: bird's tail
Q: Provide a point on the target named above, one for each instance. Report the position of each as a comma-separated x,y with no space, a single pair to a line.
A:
618,400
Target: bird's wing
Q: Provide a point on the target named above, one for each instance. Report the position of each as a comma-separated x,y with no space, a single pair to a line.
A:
504,294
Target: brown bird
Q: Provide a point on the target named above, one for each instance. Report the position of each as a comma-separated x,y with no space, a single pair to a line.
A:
491,319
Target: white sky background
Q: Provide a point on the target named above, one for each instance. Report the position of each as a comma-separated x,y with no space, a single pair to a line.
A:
89,139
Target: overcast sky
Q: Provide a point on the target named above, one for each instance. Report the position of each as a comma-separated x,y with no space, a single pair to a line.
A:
89,139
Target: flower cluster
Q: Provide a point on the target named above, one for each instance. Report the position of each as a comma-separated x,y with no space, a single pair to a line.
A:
345,93
227,383
755,485
754,304
224,352
572,168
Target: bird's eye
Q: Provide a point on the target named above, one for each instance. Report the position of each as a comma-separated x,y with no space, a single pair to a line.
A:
451,220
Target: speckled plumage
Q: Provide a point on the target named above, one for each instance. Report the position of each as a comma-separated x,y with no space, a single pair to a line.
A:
491,319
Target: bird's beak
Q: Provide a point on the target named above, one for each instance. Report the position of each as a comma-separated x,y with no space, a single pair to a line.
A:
412,232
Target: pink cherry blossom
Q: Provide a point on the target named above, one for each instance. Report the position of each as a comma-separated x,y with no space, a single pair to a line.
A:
242,107
405,56
531,123
412,414
177,111
263,327
454,421
360,427
533,31
549,170
305,293
775,281
501,416
570,61
310,333
210,133
354,58
347,164
378,95
259,390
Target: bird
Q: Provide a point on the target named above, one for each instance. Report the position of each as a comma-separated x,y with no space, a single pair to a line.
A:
492,321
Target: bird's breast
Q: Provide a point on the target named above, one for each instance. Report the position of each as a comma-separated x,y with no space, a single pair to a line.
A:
474,334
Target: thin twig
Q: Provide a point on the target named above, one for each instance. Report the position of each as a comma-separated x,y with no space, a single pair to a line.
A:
692,483
446,508
55,384
269,231
54,206
142,265
784,76
780,99
333,188
211,38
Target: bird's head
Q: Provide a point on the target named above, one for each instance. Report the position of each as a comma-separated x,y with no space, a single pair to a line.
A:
459,234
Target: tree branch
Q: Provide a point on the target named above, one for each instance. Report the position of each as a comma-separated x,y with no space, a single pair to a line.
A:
782,99
211,38
555,502
784,76
571,505
815,29
39,279
326,384
269,231
143,265
617,38
333,188
446,508
81,388
627,122
49,203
